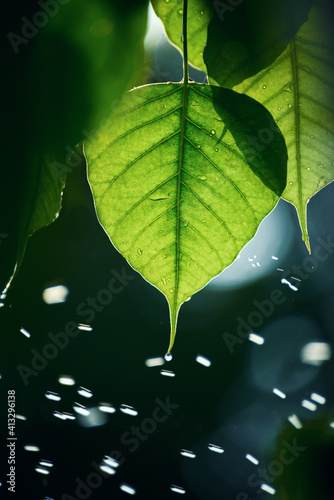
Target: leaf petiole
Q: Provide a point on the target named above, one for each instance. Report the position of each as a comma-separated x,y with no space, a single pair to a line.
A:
185,44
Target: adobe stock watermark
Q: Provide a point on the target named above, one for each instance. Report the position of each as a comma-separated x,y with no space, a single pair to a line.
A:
132,438
263,477
265,308
30,28
86,310
222,7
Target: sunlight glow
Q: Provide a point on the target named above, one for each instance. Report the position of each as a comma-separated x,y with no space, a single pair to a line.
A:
318,398
177,489
66,380
129,410
253,337
127,489
279,393
215,448
203,361
154,362
309,405
252,459
31,447
315,353
55,294
25,332
268,489
294,420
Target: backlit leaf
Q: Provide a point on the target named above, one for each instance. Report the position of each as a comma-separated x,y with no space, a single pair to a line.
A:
298,90
178,185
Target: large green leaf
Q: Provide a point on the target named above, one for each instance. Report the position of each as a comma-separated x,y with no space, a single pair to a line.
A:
178,186
199,15
298,89
60,83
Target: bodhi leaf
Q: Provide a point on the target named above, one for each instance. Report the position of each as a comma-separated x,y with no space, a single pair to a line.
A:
298,89
199,14
178,186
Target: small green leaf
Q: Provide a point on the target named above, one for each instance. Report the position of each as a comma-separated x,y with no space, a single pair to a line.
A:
199,15
178,185
298,89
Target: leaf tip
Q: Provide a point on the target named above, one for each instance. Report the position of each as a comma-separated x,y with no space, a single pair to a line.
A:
173,314
307,243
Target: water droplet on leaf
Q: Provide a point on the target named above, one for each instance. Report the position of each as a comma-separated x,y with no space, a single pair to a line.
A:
180,11
264,86
290,183
139,252
203,177
212,131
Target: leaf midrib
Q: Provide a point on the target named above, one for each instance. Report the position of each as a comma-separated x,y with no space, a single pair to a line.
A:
296,98
179,184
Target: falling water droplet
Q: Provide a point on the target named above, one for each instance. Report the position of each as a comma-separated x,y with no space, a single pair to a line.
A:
168,357
139,251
